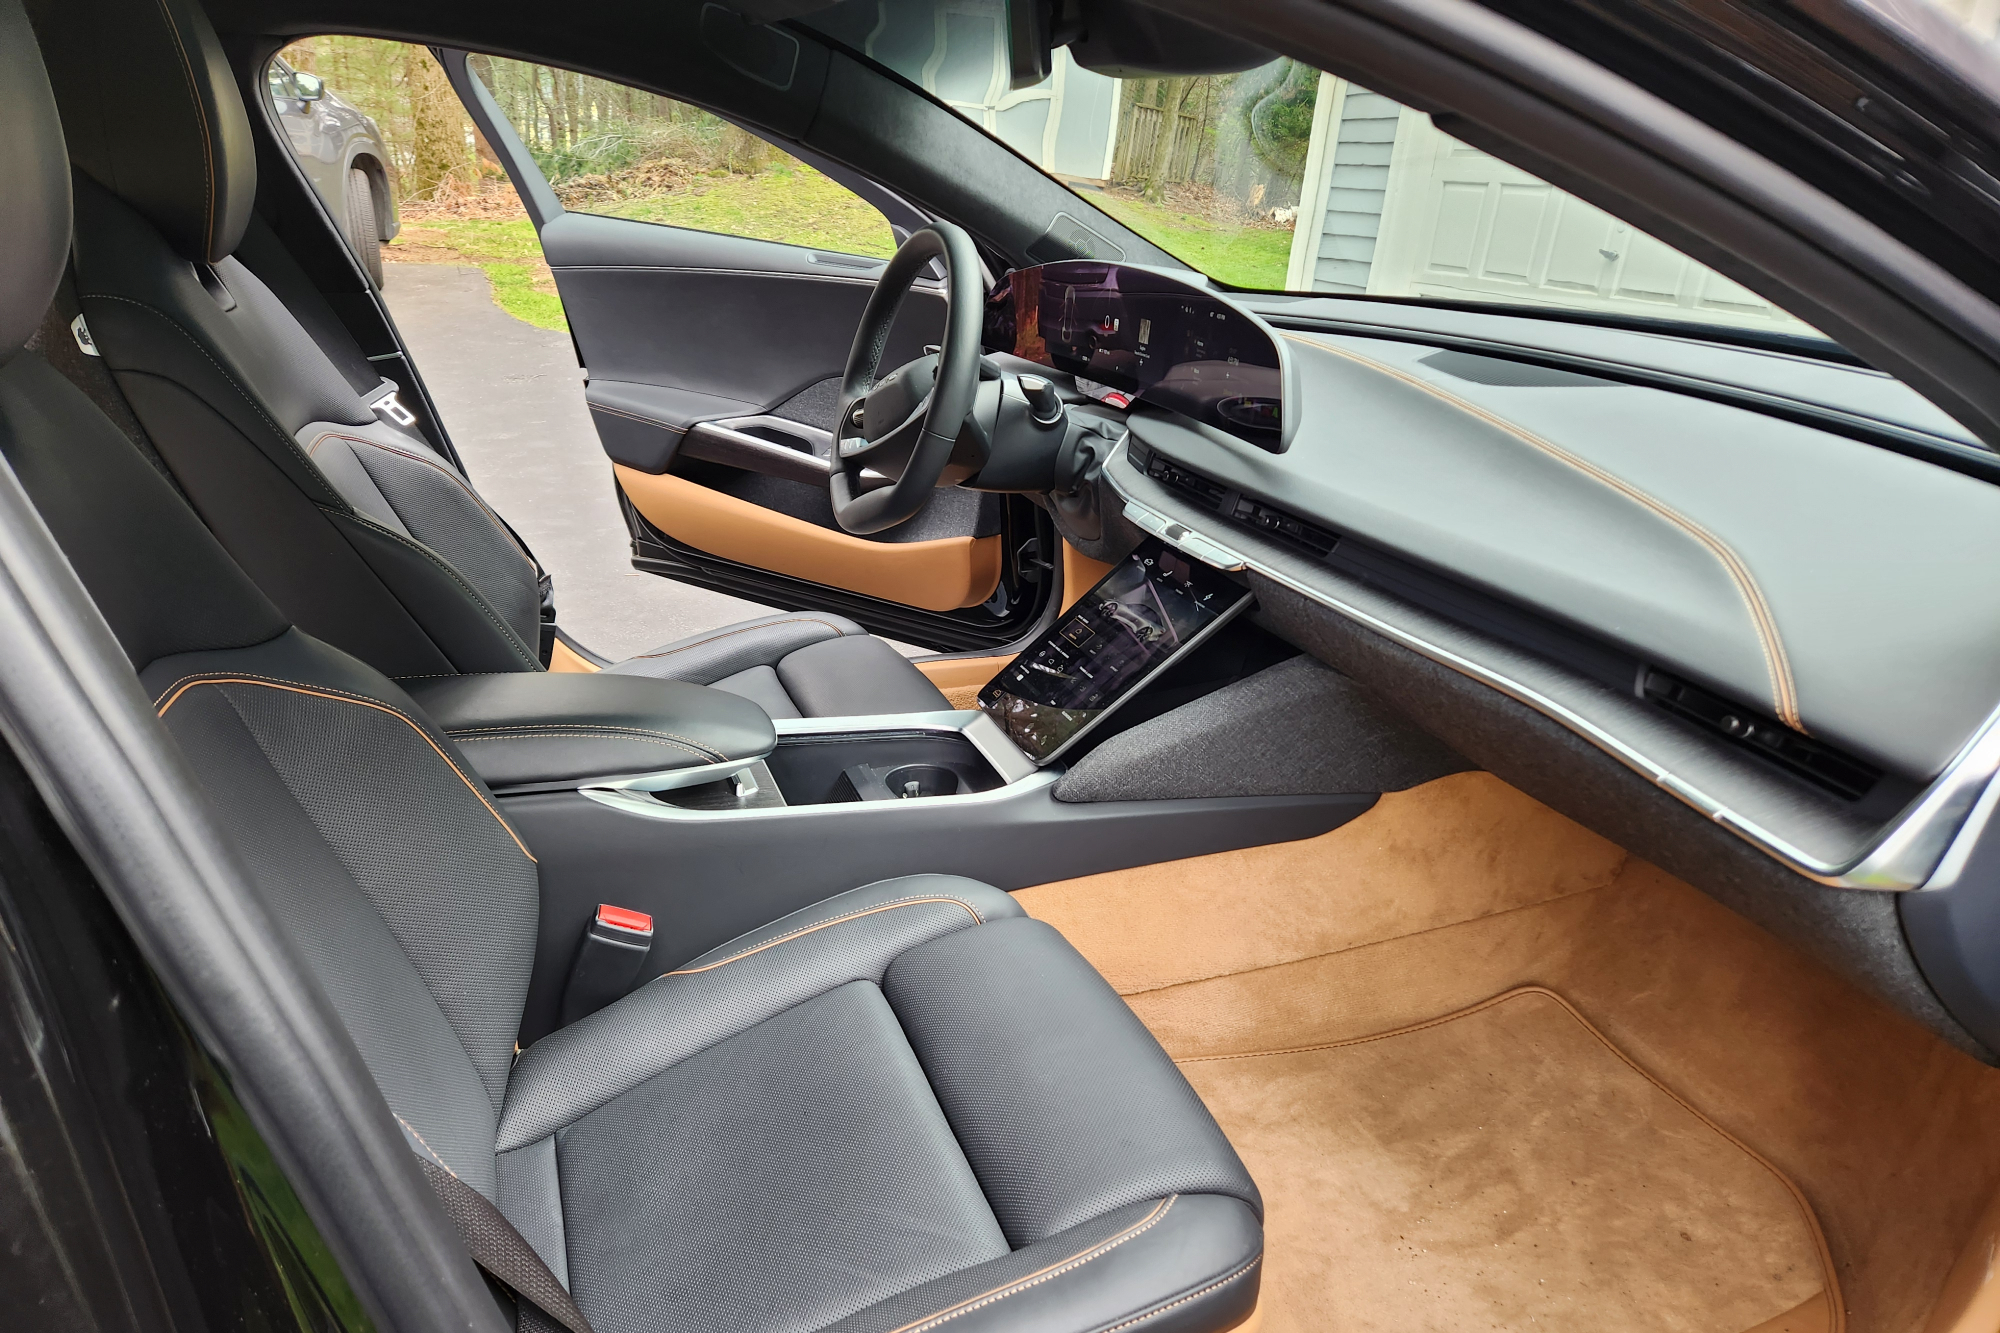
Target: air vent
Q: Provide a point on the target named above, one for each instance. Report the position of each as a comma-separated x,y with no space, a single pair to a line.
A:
1277,523
1802,756
1217,498
1208,494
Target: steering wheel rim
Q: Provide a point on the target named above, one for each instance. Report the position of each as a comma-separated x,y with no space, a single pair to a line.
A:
923,441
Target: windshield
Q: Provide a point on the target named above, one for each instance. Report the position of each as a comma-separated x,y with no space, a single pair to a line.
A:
1286,178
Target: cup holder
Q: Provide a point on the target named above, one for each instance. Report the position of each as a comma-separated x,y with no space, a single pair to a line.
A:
912,780
900,782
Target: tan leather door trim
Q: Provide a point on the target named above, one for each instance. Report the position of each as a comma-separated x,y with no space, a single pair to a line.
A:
941,575
1080,574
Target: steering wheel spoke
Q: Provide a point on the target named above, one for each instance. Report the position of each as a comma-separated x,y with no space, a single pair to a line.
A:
884,474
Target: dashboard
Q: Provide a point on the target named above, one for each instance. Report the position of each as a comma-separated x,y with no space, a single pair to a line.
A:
1697,557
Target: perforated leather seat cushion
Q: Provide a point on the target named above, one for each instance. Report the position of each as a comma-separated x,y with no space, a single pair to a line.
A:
873,1111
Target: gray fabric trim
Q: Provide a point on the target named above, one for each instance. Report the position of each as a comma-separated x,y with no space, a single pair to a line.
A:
1855,933
780,1180
813,405
56,341
1296,729
531,1197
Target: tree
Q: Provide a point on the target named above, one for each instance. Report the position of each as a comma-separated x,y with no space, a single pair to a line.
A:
440,150
1172,93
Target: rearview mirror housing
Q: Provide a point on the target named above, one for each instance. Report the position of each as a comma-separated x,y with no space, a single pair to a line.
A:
1119,38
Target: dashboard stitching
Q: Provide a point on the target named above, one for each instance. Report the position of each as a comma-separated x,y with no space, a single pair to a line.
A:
1776,662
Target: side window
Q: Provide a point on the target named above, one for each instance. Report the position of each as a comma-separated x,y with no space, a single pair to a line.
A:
620,152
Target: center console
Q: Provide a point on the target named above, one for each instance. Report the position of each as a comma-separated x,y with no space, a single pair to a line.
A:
690,809
834,762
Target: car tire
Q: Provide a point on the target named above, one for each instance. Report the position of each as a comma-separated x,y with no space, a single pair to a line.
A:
361,229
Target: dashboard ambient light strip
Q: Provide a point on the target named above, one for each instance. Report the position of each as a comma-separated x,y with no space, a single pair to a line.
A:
1903,856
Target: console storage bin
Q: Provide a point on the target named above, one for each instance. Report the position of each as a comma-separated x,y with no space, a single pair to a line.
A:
546,731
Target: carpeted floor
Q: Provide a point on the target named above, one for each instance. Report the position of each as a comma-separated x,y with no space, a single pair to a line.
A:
1504,1166
1447,896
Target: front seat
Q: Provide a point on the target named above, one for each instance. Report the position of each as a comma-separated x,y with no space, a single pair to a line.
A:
262,407
907,1108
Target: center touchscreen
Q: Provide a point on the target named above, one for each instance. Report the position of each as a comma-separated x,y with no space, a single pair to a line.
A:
1150,609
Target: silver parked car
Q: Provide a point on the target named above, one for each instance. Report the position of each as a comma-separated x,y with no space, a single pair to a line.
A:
341,151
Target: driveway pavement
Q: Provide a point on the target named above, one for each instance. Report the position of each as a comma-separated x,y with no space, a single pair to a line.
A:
512,397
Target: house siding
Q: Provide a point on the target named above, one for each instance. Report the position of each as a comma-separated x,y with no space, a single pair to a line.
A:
1355,188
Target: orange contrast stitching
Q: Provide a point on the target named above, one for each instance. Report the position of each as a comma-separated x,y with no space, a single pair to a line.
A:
807,930
1056,1269
268,682
441,1163
1784,692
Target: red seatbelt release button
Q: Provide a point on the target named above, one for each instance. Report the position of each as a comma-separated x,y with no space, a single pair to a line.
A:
624,918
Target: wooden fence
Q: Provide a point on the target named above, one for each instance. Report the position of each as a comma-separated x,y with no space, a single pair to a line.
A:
1134,158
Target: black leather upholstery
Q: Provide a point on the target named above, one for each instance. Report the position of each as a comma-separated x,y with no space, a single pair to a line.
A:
34,205
1069,1144
796,664
905,1108
188,163
546,728
259,403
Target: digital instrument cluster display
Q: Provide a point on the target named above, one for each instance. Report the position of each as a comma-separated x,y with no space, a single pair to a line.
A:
1147,611
1146,334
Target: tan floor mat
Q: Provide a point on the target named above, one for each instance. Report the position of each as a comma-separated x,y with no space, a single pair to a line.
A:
1505,1167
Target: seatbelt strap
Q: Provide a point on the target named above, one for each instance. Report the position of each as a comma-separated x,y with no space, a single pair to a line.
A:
504,1253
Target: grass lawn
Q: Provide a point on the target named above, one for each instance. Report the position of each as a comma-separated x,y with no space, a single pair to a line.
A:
1245,256
797,206
505,248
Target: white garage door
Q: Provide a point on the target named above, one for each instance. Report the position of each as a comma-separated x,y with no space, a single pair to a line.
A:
1457,222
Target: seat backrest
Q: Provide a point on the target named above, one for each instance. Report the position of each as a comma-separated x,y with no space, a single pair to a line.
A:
369,837
353,525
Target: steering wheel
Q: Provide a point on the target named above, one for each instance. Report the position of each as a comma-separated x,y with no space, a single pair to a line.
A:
893,434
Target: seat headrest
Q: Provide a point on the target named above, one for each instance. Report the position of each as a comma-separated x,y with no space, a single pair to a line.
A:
152,113
34,187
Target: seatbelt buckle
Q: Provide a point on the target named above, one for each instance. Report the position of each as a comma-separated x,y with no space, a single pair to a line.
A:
609,960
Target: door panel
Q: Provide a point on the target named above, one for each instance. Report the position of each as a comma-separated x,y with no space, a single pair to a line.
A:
724,316
714,361
943,574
